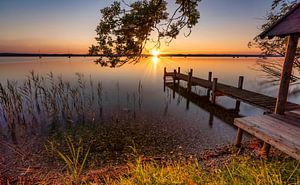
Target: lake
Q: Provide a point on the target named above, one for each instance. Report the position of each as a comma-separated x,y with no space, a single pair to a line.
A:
139,88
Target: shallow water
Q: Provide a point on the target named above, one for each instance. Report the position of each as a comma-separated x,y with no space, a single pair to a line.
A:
197,125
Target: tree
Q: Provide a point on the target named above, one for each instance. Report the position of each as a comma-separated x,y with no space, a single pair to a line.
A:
93,50
276,45
125,29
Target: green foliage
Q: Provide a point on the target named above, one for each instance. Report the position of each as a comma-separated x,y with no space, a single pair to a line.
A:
239,171
276,45
124,29
93,50
75,159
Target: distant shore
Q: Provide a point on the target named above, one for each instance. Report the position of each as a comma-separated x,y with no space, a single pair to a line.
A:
143,55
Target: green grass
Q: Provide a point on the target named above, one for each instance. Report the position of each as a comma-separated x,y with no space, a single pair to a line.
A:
75,159
240,170
235,170
229,169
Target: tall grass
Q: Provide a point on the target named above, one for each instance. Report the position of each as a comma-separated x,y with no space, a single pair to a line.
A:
51,102
42,102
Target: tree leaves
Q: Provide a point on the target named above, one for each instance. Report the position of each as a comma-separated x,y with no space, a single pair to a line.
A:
276,45
125,29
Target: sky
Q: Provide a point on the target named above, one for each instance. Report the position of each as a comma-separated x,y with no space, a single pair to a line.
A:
68,26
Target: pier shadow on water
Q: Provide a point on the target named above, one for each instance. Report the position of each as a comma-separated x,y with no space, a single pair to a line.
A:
204,102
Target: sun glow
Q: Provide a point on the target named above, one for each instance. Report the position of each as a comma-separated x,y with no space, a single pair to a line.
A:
155,52
155,61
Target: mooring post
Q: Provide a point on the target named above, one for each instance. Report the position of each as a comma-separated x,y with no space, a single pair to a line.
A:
174,83
165,73
178,73
189,87
239,137
174,77
209,79
240,86
214,89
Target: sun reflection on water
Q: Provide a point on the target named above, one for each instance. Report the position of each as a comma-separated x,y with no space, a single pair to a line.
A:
155,61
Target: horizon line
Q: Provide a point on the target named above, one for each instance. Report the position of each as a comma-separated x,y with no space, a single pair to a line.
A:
8,54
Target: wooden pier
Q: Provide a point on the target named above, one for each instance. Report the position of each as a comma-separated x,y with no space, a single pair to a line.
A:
280,131
264,102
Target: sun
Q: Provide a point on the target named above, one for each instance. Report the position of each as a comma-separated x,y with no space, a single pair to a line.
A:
155,52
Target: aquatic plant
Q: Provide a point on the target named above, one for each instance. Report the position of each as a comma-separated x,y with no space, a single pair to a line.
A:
40,103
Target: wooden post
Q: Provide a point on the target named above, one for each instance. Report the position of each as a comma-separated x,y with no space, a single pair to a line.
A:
178,78
214,89
174,78
165,73
286,74
240,86
189,87
239,137
174,83
209,79
265,150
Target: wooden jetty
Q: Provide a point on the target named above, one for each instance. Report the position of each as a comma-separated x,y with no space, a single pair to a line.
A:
280,131
222,113
264,102
282,128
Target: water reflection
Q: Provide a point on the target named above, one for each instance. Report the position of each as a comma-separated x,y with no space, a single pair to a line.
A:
140,92
155,60
203,102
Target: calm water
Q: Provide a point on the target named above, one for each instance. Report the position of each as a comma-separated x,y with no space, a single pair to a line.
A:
120,84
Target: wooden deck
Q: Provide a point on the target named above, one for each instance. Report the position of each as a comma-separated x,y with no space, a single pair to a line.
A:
255,99
280,131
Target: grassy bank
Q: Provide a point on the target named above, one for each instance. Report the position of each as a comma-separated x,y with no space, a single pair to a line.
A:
79,167
241,170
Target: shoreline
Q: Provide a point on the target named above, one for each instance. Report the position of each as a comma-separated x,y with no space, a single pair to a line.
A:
143,55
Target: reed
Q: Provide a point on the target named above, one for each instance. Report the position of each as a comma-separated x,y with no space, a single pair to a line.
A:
43,101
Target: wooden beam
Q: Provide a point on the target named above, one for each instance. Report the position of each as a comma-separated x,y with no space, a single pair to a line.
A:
174,82
286,74
165,73
240,86
178,73
209,79
239,138
214,90
189,87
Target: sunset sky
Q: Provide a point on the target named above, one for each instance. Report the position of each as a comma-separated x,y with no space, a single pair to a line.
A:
68,26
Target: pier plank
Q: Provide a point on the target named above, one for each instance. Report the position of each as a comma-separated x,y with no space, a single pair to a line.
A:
279,131
255,99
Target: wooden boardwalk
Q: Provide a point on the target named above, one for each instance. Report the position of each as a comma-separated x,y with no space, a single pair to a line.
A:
255,99
280,131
